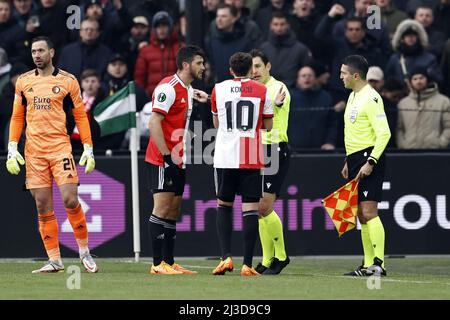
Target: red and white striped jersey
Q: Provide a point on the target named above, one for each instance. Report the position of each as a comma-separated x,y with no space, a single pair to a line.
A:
240,105
173,99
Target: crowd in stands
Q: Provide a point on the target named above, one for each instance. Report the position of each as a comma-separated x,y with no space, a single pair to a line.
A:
117,41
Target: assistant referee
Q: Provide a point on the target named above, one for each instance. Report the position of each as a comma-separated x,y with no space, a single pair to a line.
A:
366,134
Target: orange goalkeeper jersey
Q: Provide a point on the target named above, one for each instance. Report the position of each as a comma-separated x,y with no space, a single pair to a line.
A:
43,102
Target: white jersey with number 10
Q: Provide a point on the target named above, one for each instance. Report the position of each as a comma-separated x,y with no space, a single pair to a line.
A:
240,105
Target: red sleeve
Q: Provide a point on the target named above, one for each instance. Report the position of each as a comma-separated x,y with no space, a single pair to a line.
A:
213,102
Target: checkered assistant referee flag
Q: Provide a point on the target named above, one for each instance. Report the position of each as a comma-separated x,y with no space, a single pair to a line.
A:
342,206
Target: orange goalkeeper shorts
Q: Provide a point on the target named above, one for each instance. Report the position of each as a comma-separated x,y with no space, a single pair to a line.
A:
40,172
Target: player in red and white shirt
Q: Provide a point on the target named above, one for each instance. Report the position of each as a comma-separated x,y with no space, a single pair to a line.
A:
241,108
165,157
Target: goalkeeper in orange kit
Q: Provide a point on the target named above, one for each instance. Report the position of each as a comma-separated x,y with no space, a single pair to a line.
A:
44,94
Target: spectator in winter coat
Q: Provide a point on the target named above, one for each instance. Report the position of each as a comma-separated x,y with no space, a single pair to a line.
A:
226,38
157,60
286,54
424,115
410,42
87,53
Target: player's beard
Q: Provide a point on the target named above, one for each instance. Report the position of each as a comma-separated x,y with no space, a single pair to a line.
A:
195,75
43,64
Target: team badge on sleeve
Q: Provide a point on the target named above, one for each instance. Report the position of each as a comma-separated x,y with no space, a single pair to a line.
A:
161,97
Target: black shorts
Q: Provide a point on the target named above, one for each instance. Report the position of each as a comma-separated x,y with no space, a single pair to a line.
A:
370,188
273,182
244,182
157,182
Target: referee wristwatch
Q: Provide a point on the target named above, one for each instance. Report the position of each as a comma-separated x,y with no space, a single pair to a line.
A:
371,161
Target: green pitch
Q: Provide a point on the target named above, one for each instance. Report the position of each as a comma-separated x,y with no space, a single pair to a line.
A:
304,278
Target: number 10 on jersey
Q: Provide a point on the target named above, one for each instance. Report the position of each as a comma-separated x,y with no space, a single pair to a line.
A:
240,115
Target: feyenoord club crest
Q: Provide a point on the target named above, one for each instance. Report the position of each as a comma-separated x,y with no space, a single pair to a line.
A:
56,89
161,97
353,115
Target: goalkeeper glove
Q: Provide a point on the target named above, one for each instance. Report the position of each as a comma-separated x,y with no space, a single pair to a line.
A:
87,158
14,159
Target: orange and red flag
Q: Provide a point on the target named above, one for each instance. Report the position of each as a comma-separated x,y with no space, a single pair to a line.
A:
342,206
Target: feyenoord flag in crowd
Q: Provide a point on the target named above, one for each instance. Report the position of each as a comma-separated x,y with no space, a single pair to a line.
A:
117,113
342,206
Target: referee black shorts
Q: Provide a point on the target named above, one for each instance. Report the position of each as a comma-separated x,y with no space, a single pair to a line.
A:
273,182
158,183
244,182
370,187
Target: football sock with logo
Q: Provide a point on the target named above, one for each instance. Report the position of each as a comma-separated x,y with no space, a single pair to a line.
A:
250,235
367,246
376,233
224,229
156,231
268,249
274,228
78,222
170,234
48,228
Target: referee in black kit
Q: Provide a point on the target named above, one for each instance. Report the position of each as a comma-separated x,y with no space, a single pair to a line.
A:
366,134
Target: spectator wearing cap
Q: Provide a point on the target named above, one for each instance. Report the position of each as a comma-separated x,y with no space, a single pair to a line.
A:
86,53
134,40
312,120
116,76
7,94
410,44
436,38
375,77
424,115
157,60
